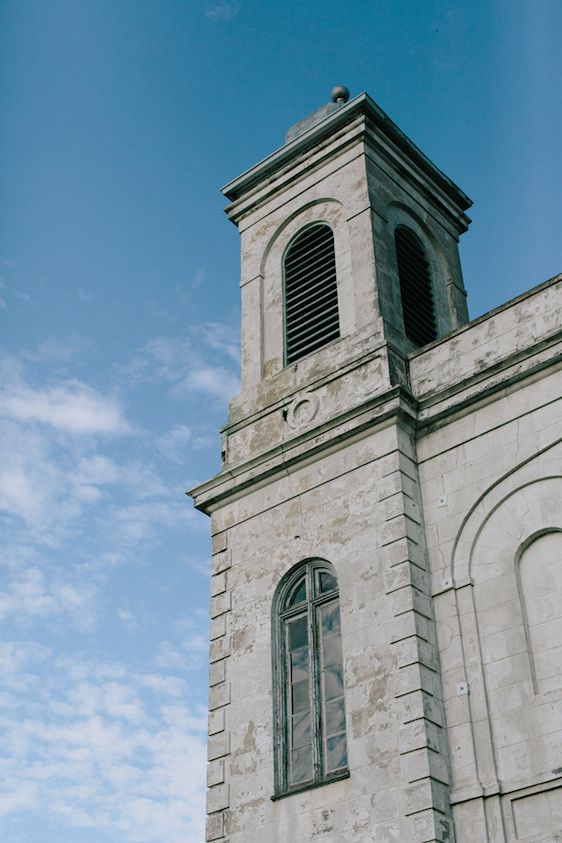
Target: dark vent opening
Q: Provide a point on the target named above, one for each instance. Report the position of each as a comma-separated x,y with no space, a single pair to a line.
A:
415,288
311,293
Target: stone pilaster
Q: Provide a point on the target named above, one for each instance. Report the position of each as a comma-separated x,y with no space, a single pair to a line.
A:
218,796
422,743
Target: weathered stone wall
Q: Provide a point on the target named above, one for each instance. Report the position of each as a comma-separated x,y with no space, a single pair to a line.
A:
396,201
431,480
363,188
490,463
360,509
492,493
478,481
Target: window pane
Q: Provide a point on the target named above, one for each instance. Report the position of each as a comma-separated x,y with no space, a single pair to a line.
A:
333,683
298,633
330,618
336,752
326,582
301,730
335,717
300,697
301,765
298,594
299,664
331,650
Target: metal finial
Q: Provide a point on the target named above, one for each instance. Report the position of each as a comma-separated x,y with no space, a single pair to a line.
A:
340,94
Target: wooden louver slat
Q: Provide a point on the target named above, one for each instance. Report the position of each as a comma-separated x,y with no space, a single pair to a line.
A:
415,288
310,291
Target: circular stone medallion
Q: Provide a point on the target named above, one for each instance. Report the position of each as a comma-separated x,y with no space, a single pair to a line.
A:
302,410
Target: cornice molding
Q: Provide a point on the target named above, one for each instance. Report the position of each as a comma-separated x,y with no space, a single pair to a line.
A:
396,405
360,106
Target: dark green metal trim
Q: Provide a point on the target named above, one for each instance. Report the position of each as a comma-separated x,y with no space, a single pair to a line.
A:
333,777
279,618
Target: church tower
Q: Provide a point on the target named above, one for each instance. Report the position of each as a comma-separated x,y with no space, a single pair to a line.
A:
317,734
330,684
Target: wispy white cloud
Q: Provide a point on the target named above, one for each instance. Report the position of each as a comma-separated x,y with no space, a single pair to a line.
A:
72,407
199,566
32,594
222,11
167,686
50,468
22,296
223,338
18,657
98,469
184,656
54,351
199,278
173,443
35,479
102,746
18,294
92,744
46,481
206,361
210,380
128,619
140,522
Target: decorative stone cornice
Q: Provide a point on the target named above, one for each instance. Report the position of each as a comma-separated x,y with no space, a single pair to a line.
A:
362,105
305,447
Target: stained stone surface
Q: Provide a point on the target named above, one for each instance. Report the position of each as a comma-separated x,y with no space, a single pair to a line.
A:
431,479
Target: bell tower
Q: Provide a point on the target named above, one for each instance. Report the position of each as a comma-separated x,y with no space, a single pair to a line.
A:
325,710
349,166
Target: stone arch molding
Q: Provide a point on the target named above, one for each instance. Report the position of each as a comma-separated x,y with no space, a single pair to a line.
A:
326,210
505,701
399,214
524,503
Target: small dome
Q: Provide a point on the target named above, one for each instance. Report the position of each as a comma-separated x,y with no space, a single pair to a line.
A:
340,94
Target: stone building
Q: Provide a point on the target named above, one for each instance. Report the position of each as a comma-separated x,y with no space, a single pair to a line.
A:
392,465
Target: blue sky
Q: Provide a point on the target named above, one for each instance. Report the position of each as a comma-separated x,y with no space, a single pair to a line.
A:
119,319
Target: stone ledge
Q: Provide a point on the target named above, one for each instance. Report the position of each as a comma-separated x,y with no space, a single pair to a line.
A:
215,827
335,434
218,798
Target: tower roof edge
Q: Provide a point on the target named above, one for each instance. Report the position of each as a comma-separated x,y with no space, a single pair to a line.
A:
364,105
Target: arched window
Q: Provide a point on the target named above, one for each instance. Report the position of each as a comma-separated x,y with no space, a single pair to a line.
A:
310,292
310,739
415,287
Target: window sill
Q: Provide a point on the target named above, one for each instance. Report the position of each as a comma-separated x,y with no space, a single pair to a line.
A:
336,777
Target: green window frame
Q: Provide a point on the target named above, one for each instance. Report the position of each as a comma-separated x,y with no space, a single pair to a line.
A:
310,722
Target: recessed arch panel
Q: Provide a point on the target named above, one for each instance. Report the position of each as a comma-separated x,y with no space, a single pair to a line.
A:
507,572
539,575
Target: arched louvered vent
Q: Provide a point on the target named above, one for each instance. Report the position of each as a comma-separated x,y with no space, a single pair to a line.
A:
415,288
311,295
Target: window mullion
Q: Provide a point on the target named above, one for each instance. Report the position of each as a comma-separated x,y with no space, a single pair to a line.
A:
316,701
286,707
314,676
